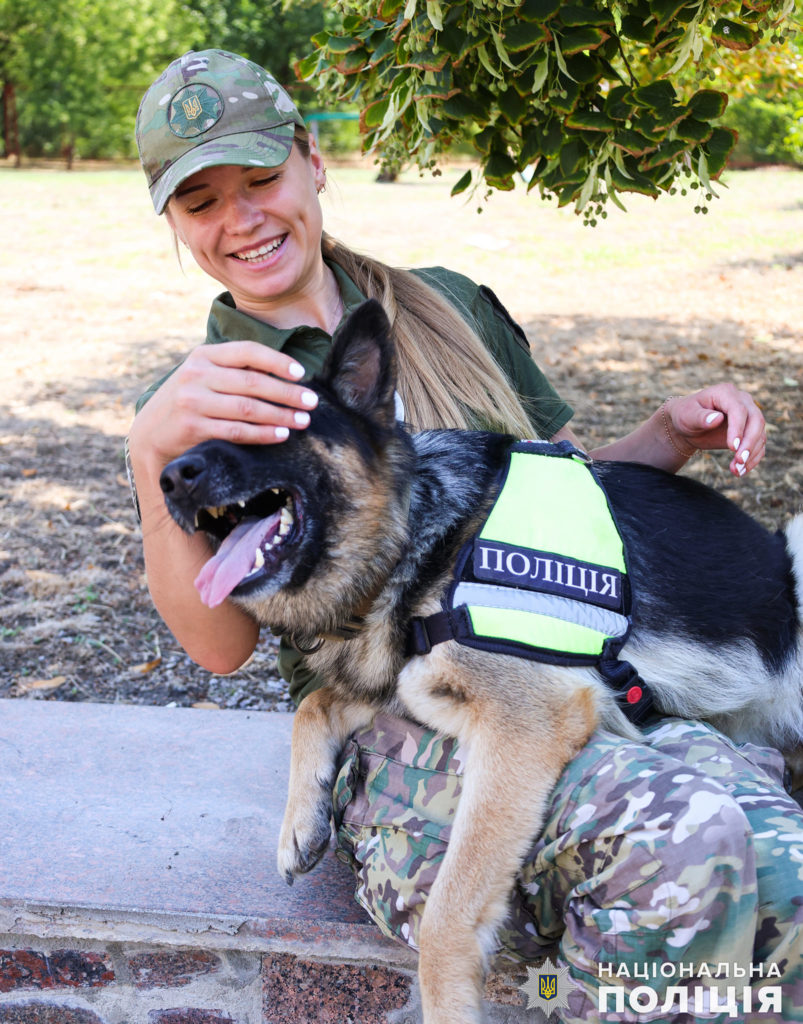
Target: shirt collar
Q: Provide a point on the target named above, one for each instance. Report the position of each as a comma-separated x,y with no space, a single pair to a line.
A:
226,322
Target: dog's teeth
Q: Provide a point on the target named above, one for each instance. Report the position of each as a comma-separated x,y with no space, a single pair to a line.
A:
197,523
241,504
259,559
285,521
274,490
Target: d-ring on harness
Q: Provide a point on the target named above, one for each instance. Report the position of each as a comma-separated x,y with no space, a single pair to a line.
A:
546,576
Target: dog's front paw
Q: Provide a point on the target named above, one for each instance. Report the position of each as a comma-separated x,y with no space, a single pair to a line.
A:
304,837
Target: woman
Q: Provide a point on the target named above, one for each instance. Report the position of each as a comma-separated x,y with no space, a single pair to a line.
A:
681,849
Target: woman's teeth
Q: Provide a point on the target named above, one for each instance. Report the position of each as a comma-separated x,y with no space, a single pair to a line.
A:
260,253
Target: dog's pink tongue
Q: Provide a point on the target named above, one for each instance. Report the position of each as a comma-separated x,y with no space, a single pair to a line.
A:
233,560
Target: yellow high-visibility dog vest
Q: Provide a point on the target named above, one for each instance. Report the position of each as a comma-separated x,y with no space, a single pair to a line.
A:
545,577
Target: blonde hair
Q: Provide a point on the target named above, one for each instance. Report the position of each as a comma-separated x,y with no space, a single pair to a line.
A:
447,377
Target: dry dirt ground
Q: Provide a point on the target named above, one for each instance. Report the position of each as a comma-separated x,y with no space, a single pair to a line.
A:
655,302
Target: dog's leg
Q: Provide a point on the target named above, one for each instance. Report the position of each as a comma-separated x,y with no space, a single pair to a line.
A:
321,726
518,736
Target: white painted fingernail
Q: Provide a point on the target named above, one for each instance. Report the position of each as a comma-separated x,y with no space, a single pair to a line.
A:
736,442
745,455
301,418
741,470
282,432
296,370
711,417
309,398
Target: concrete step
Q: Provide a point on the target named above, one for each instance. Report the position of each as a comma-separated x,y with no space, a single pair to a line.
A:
138,881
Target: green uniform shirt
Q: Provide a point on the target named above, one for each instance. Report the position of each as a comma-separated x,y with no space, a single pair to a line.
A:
310,345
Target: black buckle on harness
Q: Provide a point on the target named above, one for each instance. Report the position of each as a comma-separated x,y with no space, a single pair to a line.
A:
424,634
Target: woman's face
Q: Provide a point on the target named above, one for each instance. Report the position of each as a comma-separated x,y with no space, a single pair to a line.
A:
256,230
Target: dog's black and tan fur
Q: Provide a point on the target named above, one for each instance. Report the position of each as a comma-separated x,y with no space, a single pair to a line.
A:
379,517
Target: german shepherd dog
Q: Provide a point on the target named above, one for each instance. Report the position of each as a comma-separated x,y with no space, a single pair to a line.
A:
355,519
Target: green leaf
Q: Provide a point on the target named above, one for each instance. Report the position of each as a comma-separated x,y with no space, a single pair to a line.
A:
522,35
575,14
633,181
664,154
308,66
572,154
718,149
708,104
499,170
552,137
435,14
566,99
734,35
668,117
463,107
634,27
583,38
373,115
583,68
658,95
385,49
633,142
531,144
483,139
462,184
512,106
667,40
538,10
665,11
692,130
590,121
619,103
342,44
352,62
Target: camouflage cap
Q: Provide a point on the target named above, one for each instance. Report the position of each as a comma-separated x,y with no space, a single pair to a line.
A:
210,108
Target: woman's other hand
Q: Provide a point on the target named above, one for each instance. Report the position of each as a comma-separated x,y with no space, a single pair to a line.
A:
718,417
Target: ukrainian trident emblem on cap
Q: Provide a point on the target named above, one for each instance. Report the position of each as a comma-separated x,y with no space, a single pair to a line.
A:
194,110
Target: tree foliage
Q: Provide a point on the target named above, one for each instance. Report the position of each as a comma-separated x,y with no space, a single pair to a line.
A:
584,97
78,68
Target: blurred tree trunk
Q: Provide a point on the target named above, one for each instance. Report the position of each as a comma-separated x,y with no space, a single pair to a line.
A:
11,142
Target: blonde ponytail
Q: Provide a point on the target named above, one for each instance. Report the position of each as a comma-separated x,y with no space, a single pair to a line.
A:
447,377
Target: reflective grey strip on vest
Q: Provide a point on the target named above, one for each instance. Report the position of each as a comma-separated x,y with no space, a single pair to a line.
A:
604,621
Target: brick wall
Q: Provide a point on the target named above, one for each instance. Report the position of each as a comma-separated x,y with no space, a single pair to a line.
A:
127,983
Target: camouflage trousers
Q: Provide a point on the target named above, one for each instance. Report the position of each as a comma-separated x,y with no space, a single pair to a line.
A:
682,850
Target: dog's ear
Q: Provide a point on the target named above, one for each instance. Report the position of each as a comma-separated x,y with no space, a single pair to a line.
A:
361,366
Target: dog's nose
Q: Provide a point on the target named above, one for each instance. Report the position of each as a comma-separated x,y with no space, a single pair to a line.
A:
183,475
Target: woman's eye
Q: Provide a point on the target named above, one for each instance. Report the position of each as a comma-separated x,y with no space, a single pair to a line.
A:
268,180
199,207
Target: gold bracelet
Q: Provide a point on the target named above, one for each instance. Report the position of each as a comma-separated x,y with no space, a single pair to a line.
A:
681,453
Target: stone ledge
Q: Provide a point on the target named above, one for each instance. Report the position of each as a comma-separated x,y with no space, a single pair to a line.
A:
138,881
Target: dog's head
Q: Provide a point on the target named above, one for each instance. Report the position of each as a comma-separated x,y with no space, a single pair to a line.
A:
307,528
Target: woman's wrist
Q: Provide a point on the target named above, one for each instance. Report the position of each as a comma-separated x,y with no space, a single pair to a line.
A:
681,448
